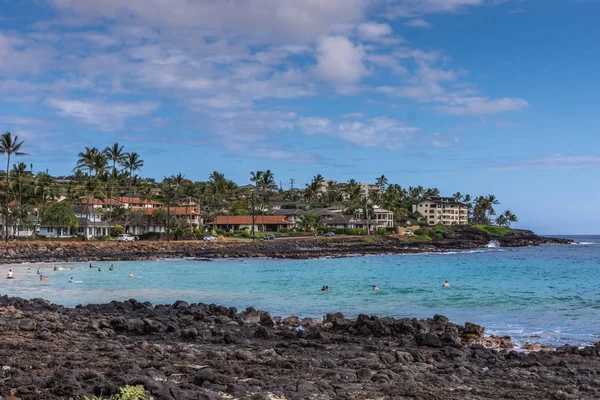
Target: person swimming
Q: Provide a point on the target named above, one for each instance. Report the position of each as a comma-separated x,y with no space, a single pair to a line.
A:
10,274
99,269
446,284
38,271
42,279
91,266
28,270
111,268
376,288
131,274
325,288
71,280
55,268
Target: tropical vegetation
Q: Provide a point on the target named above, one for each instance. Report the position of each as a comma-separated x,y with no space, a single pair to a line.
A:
30,199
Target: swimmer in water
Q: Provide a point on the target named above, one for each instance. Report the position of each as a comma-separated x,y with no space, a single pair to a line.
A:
10,274
99,269
42,279
55,268
111,268
131,274
71,280
375,288
91,266
446,284
28,270
38,271
325,288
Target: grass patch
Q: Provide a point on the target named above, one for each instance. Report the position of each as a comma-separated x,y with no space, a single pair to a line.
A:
491,230
369,240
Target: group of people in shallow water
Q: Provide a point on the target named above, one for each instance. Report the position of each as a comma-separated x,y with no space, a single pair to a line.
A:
10,274
326,288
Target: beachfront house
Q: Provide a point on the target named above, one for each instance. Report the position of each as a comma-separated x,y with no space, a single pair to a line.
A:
291,215
381,217
443,210
262,223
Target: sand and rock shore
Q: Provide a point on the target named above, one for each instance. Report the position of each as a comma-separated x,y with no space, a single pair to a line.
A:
291,248
198,351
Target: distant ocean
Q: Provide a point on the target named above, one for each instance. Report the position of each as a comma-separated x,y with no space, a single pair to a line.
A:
548,294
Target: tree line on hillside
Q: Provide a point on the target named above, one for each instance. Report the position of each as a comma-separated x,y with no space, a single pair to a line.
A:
112,172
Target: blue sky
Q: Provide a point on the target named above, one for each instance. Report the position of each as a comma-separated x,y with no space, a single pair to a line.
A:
476,96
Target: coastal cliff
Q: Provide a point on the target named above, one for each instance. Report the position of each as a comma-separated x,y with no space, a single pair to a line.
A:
293,248
199,351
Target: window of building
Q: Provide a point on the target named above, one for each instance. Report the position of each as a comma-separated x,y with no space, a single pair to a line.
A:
50,230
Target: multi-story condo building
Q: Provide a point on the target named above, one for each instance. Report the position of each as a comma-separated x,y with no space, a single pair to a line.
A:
367,188
443,210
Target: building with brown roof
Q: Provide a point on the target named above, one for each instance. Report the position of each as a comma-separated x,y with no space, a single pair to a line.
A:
262,223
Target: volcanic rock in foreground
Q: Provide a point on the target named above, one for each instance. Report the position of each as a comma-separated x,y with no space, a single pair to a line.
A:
198,351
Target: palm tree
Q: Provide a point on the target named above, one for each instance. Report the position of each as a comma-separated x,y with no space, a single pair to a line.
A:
20,183
169,196
491,202
116,155
44,190
353,193
382,181
132,162
9,146
87,159
501,221
510,217
189,191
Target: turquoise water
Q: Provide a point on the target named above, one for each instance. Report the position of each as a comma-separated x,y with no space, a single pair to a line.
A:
549,294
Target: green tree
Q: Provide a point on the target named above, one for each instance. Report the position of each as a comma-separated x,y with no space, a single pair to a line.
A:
382,181
116,155
9,146
311,222
132,162
169,196
60,215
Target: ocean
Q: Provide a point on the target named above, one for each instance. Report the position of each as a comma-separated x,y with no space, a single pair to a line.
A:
548,294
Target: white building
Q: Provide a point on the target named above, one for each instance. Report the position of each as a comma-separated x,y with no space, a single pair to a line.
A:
443,210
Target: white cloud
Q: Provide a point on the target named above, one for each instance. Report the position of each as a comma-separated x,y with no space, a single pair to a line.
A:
551,162
476,106
375,132
418,23
439,140
373,30
106,116
339,60
19,56
411,8
272,20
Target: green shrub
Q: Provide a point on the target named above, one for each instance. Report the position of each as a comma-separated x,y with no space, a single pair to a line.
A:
494,230
352,231
284,230
428,233
382,231
369,240
103,238
117,230
127,393
150,236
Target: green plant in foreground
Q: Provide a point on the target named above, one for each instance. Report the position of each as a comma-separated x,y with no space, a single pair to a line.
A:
127,393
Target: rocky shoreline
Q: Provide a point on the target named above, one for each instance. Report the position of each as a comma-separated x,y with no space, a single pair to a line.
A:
291,248
198,351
